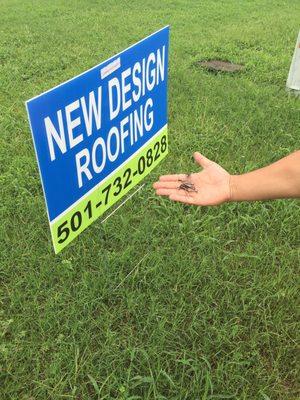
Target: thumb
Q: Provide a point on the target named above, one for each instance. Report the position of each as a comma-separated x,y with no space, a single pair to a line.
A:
201,160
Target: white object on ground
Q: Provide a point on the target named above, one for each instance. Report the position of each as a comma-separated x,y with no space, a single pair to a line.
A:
123,202
133,269
293,81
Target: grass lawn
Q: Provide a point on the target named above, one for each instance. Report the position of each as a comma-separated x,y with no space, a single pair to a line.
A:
211,310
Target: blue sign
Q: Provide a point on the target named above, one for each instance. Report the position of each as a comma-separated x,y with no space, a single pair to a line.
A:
98,134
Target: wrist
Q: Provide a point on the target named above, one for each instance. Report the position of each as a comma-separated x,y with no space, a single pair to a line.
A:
233,187
247,187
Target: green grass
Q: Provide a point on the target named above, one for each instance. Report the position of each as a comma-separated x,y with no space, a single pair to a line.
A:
211,311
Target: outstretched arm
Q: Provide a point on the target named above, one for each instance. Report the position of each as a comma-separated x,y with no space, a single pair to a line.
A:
276,181
214,185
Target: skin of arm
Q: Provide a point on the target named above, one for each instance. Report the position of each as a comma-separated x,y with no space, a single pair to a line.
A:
276,181
214,185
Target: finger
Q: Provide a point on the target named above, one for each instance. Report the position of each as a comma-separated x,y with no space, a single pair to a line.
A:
166,185
201,160
180,192
174,177
166,192
182,198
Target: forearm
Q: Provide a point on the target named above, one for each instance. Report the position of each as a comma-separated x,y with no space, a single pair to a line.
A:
278,180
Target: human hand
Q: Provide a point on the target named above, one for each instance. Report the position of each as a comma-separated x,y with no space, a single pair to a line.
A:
212,184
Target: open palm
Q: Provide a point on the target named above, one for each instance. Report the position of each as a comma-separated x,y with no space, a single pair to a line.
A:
212,184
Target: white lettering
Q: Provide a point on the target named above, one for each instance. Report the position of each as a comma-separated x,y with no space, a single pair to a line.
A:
160,65
113,132
98,142
150,84
83,168
93,110
114,111
126,89
72,124
53,134
124,132
136,81
148,125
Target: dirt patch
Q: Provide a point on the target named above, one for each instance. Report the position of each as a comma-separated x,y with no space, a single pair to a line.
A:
220,66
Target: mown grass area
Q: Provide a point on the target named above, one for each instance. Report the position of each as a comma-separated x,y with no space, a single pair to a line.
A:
210,310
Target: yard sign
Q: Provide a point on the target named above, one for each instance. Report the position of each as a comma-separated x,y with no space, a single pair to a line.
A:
97,135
